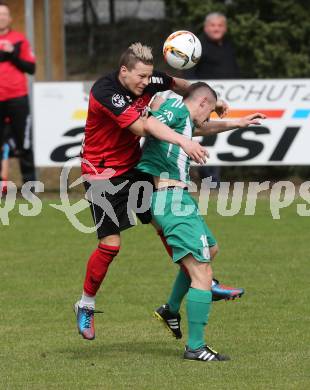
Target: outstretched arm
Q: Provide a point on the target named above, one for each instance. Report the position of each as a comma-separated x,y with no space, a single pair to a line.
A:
215,127
180,86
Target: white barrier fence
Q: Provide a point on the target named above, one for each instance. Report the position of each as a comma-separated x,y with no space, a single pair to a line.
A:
60,111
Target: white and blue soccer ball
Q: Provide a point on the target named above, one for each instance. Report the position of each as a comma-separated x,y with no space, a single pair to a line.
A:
182,50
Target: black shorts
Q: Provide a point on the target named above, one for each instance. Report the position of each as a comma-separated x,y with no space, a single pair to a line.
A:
114,203
20,130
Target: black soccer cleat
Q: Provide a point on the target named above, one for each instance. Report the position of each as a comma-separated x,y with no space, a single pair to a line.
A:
204,354
170,320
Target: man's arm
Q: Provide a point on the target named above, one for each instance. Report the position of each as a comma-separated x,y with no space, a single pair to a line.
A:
15,54
215,127
180,86
152,126
24,66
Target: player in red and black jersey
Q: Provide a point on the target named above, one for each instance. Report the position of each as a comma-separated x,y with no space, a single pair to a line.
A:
111,150
116,107
16,59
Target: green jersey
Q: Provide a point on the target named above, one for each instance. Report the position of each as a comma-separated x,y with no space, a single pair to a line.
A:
161,156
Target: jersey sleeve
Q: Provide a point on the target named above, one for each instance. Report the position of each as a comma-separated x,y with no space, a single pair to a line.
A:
22,56
159,82
26,53
115,105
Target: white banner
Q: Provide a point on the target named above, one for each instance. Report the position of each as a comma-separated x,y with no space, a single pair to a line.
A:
60,111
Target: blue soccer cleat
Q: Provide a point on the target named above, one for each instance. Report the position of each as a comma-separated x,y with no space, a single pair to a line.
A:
85,321
221,291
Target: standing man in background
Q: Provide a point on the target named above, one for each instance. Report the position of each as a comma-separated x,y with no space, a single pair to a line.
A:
218,61
16,59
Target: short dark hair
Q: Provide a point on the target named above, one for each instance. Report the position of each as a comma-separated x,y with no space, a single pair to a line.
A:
6,4
198,85
136,53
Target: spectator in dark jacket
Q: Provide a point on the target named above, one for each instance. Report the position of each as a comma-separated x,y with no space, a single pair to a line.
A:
217,61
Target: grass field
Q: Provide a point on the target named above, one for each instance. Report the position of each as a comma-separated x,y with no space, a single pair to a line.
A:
266,333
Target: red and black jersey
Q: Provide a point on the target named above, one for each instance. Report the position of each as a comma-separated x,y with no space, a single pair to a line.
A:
13,81
108,142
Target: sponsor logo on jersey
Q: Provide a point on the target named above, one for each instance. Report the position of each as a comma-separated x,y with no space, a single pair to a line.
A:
156,80
118,100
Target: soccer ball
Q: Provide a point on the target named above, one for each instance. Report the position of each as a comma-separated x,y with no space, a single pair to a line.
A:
182,50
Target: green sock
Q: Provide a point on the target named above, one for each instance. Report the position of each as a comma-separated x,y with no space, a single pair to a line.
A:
198,308
179,290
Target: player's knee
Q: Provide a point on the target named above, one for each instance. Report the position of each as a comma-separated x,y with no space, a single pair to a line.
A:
112,240
214,251
208,275
209,271
205,277
200,272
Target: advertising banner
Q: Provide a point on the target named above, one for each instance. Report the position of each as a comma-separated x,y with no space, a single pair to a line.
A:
60,111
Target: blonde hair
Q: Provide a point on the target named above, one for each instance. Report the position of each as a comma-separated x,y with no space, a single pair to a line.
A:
136,53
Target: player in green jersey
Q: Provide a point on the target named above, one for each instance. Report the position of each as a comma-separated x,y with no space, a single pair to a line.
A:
176,213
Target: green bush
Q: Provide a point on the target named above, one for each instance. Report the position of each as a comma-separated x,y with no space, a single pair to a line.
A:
271,36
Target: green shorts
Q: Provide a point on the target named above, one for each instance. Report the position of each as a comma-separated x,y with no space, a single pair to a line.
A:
177,214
